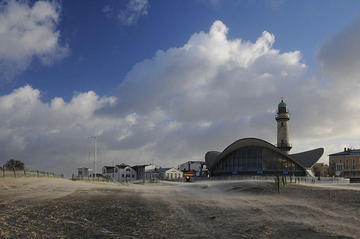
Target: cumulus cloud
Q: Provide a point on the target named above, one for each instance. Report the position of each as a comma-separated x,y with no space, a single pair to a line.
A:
187,100
53,135
216,90
28,31
211,90
129,14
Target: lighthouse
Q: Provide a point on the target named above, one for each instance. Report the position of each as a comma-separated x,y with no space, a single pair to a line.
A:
282,118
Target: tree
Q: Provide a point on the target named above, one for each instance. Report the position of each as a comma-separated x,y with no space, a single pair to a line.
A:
14,164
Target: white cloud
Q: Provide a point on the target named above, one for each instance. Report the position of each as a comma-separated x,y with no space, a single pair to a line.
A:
54,135
129,14
185,101
212,87
28,31
235,85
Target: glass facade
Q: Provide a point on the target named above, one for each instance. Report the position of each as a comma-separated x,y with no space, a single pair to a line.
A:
256,160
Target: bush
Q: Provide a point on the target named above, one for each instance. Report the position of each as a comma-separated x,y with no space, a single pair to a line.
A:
14,164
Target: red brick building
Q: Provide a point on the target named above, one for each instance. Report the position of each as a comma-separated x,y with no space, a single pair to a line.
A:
345,163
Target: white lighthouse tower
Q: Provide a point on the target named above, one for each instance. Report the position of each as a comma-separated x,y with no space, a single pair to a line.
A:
282,118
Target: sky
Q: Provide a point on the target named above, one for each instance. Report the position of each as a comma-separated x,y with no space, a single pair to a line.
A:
164,82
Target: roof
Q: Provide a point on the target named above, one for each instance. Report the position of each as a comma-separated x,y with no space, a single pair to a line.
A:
140,166
308,158
109,166
303,159
164,169
347,152
210,157
201,162
122,165
176,169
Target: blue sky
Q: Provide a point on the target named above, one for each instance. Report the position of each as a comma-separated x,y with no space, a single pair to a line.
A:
167,81
103,50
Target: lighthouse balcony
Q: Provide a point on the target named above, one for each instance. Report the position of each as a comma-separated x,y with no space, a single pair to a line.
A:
285,116
284,145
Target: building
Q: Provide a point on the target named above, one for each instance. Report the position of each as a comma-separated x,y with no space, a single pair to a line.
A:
345,163
84,172
174,174
140,171
252,156
162,172
152,173
109,172
320,170
198,166
120,173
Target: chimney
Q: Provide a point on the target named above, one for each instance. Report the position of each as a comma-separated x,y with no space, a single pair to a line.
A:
344,149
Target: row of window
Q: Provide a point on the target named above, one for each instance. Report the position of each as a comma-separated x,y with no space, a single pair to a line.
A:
112,170
254,158
340,165
173,175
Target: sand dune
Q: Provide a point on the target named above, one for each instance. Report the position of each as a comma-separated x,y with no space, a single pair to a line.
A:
59,208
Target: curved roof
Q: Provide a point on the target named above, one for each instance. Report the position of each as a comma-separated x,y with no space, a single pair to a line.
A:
308,158
213,157
210,157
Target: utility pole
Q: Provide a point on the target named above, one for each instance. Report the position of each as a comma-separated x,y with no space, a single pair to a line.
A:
92,139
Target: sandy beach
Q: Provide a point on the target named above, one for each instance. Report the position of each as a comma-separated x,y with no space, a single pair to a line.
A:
60,208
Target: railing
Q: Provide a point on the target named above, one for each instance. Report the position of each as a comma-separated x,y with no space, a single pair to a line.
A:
96,179
288,179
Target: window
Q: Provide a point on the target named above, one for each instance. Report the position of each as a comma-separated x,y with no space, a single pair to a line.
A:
133,175
339,166
282,124
116,170
259,159
347,164
354,164
122,175
127,170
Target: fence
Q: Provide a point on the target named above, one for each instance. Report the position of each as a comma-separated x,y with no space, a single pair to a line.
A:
97,179
28,173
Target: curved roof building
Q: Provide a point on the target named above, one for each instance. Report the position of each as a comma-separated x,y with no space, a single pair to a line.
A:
252,156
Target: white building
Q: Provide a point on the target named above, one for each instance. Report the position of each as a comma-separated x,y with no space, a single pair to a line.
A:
120,173
174,174
109,172
84,172
152,173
